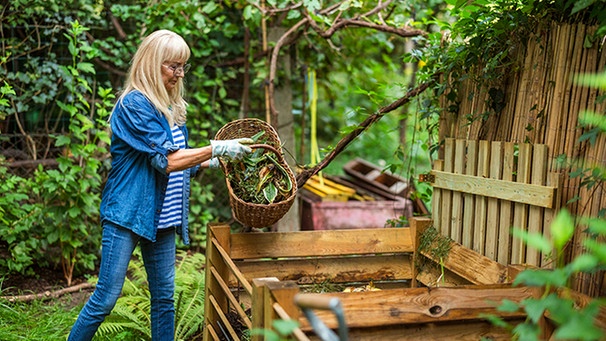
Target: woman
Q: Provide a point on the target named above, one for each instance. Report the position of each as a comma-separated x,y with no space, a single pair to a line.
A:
145,200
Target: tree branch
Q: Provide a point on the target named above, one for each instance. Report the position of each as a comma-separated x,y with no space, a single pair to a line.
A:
338,24
303,176
48,294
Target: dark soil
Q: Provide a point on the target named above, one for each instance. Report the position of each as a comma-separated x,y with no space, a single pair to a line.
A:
44,281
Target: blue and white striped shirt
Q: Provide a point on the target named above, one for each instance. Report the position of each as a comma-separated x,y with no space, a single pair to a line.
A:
172,209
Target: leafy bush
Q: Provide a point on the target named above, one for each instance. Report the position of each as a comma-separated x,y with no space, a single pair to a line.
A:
56,211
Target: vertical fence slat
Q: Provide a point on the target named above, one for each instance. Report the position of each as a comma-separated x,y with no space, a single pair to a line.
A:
457,197
535,214
492,220
447,195
505,222
520,214
471,168
479,235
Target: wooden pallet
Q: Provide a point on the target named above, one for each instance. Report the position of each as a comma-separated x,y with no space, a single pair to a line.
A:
484,189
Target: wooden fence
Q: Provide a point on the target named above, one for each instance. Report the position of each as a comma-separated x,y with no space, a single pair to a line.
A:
542,105
483,189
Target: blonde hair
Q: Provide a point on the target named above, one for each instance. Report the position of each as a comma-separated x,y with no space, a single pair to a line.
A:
145,73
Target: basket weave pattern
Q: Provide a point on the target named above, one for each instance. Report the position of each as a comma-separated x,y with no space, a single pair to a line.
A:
250,214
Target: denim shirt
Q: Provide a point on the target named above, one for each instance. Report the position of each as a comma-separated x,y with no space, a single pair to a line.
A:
135,188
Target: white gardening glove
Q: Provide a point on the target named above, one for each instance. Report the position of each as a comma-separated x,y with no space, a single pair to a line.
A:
213,163
233,149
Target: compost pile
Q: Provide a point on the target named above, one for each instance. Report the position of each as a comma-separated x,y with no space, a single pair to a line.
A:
259,177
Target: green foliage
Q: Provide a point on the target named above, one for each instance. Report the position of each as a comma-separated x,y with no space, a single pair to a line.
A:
130,319
71,194
18,220
35,321
5,90
282,329
56,210
572,322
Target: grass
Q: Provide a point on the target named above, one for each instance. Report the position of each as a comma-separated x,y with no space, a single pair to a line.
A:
37,320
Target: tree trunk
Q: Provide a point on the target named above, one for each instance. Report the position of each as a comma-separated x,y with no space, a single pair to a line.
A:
283,102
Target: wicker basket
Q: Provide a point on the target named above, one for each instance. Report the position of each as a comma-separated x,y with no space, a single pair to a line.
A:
250,214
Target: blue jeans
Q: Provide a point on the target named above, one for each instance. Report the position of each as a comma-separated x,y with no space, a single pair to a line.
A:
117,247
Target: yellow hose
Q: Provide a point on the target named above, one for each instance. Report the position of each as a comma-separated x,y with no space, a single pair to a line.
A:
313,96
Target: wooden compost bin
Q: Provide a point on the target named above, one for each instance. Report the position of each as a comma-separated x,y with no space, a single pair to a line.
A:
252,278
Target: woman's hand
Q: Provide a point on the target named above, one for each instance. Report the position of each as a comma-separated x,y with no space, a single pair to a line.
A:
233,149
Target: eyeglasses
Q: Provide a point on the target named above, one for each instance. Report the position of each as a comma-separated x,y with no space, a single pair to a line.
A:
175,68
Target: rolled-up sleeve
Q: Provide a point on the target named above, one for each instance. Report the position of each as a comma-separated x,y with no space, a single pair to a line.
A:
139,124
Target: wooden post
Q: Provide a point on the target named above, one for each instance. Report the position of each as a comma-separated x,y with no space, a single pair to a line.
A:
418,225
258,304
212,290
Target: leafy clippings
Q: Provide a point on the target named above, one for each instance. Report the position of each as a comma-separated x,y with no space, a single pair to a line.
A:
259,177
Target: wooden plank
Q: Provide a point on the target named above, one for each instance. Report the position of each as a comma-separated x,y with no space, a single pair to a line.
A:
418,226
436,202
209,331
456,221
232,299
535,214
505,218
436,276
224,320
520,214
492,219
333,269
474,267
320,243
445,217
553,179
471,330
233,268
532,194
479,232
283,315
216,236
258,302
422,305
471,168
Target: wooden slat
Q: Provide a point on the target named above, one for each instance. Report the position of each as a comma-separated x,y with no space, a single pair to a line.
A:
520,214
420,305
233,268
333,269
553,179
536,195
232,299
469,330
535,214
209,331
259,311
505,221
471,168
217,236
492,220
297,332
470,265
224,319
456,227
436,202
320,243
479,235
445,218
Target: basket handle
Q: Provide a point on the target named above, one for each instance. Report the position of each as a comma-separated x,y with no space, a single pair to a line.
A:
266,146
